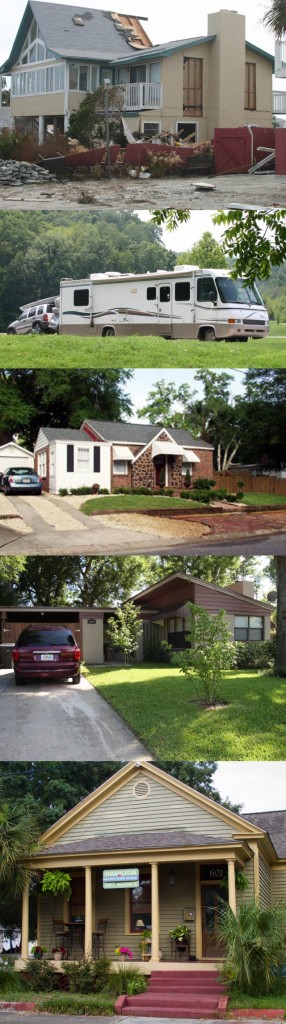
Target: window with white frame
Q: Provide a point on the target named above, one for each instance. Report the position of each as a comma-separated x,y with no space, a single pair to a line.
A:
34,49
40,80
248,627
42,464
187,466
151,128
120,467
83,77
82,459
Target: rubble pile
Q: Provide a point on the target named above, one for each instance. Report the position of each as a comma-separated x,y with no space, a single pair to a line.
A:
19,172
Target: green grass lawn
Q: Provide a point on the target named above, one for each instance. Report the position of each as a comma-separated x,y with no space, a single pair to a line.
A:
132,502
264,499
137,351
156,702
139,502
241,1001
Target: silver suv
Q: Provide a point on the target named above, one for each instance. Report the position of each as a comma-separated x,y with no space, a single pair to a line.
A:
42,317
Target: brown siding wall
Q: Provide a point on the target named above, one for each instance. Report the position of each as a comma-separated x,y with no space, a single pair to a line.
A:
213,600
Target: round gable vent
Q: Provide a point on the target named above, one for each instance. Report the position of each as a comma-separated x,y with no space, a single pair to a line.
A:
141,790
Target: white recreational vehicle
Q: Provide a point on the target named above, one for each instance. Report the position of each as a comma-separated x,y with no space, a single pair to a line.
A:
183,303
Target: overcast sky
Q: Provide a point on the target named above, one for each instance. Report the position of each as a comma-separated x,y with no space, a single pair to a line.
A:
144,381
258,785
165,22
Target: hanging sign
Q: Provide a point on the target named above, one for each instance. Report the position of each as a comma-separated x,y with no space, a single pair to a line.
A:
120,878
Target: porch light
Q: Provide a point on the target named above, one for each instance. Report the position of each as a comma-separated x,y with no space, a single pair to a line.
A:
172,877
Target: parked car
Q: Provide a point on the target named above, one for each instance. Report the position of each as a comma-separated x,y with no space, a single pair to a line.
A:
40,318
46,652
21,480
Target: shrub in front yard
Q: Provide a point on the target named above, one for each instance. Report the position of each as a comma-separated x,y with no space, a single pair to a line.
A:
210,654
39,976
88,975
10,981
255,655
255,944
128,982
88,1005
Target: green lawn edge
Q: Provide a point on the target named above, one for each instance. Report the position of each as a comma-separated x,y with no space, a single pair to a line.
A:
157,703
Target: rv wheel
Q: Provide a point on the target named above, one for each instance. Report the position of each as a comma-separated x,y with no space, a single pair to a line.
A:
209,334
108,332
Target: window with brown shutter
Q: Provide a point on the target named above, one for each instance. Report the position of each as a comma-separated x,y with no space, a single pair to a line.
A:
193,86
250,86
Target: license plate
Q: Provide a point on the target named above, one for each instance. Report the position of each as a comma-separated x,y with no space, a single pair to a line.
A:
26,479
47,657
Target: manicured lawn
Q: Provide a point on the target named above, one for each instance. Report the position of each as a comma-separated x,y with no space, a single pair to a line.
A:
264,499
156,702
127,502
65,1002
241,1001
137,351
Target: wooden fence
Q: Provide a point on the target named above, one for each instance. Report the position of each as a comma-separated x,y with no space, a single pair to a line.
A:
255,484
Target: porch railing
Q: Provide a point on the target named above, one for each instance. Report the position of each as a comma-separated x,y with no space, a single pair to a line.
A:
279,102
143,96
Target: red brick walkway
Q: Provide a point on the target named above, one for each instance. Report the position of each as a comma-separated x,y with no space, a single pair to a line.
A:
238,524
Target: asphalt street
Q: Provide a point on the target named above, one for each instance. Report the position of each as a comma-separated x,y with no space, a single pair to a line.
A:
61,722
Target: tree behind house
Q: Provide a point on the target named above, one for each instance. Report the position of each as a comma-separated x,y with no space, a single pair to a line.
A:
124,630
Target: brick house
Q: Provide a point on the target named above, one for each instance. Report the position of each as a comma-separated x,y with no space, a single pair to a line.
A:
120,454
191,85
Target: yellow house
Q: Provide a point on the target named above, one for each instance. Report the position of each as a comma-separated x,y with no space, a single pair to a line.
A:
146,851
191,85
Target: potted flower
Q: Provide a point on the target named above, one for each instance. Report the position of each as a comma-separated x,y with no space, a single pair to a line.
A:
58,952
181,933
38,951
124,952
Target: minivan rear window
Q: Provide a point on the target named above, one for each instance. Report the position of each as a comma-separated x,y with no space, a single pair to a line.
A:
47,637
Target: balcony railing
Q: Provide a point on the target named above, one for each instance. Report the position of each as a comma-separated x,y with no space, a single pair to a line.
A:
143,96
279,102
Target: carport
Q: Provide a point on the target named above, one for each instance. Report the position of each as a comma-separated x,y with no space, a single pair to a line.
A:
85,623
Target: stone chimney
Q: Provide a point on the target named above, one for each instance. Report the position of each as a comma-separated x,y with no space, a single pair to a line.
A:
226,78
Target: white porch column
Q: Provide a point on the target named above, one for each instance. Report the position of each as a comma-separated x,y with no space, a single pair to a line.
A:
41,129
155,911
231,885
25,922
88,913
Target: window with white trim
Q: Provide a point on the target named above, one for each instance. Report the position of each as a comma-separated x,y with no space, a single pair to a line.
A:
42,464
52,461
120,467
82,459
34,49
151,128
185,467
39,80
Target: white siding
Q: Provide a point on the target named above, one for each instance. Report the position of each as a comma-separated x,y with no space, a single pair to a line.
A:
162,809
80,477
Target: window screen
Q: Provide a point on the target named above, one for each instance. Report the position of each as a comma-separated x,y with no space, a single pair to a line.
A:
151,293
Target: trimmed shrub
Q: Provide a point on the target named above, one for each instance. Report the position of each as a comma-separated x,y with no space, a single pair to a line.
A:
88,975
203,483
231,498
63,491
205,497
103,490
185,494
41,977
260,654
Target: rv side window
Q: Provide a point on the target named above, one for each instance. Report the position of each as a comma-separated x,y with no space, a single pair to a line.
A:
165,293
151,293
81,297
206,288
182,291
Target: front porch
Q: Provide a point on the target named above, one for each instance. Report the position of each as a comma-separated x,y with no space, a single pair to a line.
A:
186,891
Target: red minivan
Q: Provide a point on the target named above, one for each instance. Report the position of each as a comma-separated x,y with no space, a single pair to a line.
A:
46,652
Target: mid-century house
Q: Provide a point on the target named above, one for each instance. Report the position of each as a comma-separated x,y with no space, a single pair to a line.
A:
13,454
145,850
120,454
191,85
164,609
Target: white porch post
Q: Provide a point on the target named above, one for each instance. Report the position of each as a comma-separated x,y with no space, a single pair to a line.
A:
25,922
155,911
66,99
231,885
88,913
198,892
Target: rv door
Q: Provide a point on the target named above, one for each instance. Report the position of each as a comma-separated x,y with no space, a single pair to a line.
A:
206,300
164,290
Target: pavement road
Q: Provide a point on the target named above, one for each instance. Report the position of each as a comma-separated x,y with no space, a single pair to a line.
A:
14,1017
51,526
61,722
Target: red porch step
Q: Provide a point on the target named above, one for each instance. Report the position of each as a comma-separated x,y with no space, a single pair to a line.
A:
177,994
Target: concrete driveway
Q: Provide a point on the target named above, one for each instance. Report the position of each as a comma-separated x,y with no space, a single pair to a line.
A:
50,525
61,722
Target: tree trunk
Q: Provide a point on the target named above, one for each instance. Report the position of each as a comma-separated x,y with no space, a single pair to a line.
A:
280,664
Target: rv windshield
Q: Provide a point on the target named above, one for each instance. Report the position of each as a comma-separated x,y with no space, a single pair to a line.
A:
238,291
